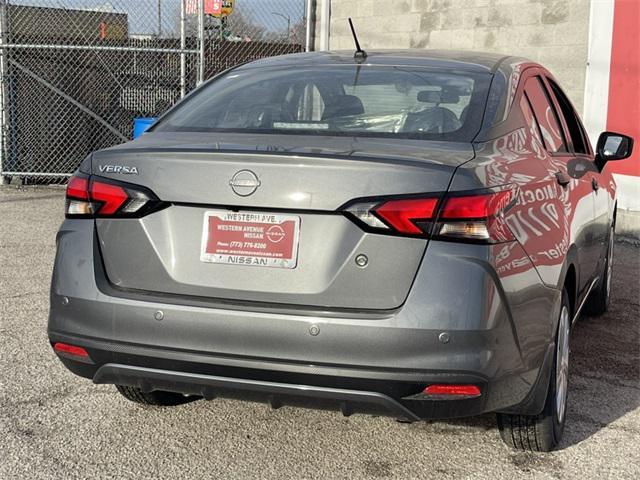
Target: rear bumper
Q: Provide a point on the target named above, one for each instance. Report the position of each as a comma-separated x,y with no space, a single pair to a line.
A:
388,392
499,339
275,393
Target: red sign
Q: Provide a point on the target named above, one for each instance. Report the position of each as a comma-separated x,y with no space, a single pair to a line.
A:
250,238
211,7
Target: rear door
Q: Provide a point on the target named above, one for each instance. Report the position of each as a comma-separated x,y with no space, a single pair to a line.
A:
573,179
583,165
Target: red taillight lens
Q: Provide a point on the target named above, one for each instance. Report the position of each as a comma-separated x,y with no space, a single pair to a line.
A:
78,204
458,390
112,197
70,350
78,187
475,206
404,215
99,197
476,216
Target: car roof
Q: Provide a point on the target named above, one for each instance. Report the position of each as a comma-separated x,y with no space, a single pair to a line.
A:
451,59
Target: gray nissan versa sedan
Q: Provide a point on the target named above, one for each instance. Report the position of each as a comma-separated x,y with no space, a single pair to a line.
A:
409,233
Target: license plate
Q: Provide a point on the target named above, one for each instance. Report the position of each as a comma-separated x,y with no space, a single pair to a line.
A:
250,238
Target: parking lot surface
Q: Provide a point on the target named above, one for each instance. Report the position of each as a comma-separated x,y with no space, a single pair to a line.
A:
57,425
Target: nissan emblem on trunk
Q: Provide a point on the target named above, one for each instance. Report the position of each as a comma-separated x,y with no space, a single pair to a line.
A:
244,183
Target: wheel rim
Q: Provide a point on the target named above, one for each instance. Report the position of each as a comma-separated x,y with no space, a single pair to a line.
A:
609,263
562,366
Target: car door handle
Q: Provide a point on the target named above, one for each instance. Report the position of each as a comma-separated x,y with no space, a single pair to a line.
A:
563,179
594,184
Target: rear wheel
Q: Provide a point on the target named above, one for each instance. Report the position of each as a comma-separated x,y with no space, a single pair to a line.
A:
542,432
156,398
598,302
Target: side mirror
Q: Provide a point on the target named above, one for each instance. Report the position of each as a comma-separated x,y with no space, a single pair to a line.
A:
612,146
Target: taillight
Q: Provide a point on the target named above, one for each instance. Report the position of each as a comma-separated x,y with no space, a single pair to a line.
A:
412,216
403,216
475,216
478,216
78,204
90,196
111,197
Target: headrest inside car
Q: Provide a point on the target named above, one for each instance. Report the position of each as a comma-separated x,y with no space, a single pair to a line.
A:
435,96
343,106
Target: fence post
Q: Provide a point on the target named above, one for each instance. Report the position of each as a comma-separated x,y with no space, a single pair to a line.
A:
183,46
201,41
310,24
3,80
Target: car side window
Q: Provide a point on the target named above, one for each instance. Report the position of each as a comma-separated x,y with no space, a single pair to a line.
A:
546,115
576,131
532,123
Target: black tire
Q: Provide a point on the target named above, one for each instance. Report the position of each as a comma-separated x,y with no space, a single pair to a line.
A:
598,302
542,432
157,398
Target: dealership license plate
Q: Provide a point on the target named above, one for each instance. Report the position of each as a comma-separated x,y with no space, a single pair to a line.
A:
250,238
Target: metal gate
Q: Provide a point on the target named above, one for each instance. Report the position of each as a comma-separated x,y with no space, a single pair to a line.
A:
75,73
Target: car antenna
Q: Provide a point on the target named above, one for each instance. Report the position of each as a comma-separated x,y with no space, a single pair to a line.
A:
360,54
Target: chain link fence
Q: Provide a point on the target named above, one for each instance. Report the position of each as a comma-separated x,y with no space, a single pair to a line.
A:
75,73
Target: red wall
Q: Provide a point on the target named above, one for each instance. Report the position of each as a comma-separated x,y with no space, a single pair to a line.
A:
624,84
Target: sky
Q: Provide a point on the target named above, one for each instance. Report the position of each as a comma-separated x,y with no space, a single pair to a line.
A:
143,14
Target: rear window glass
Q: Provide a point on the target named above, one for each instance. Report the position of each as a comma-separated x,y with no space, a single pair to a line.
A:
337,100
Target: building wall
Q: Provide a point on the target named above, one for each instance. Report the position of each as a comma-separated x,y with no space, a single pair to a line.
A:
589,45
33,24
552,32
612,98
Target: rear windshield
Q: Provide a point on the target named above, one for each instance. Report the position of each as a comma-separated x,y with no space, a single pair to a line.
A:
349,100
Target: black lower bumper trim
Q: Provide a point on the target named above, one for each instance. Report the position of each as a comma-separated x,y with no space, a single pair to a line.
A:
209,386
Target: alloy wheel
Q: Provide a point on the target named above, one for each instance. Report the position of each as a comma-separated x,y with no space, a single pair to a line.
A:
562,366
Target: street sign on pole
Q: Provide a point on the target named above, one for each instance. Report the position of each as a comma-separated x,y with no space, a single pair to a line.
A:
215,8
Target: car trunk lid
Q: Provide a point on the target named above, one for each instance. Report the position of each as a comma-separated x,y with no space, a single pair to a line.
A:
305,183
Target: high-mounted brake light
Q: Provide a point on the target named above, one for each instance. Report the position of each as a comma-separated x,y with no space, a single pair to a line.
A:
477,216
99,197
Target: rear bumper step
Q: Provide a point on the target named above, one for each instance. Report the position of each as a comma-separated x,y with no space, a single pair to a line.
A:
276,394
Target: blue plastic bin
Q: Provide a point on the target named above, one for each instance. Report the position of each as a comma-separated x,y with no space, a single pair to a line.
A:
141,125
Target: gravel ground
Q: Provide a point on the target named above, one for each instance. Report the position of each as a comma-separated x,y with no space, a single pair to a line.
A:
57,425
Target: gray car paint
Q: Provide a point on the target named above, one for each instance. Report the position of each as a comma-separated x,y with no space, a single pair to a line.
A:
161,249
497,331
498,304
